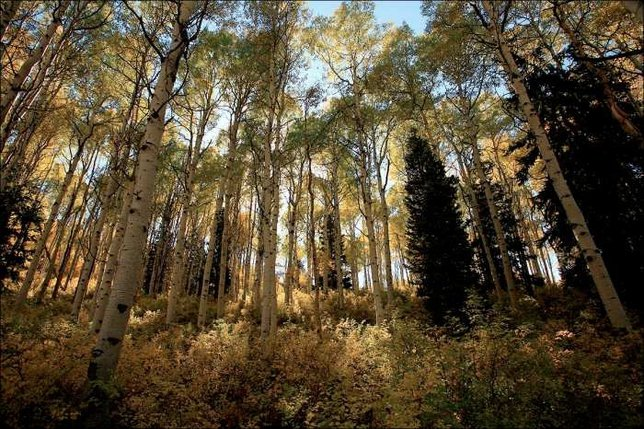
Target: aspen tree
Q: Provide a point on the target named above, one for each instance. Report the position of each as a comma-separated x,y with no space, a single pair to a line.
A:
107,350
350,65
494,215
186,210
592,255
380,157
92,252
210,256
105,286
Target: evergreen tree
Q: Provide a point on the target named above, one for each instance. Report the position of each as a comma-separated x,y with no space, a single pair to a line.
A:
439,256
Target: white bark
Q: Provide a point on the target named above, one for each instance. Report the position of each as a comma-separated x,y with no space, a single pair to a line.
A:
106,353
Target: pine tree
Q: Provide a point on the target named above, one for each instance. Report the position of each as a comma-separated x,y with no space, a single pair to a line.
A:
439,256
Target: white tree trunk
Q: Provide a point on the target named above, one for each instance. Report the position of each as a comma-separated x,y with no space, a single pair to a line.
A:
205,283
92,253
106,353
496,221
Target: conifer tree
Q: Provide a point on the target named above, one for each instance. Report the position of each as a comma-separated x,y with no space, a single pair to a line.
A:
439,256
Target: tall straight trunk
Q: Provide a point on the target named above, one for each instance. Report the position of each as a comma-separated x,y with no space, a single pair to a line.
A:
102,260
40,246
270,198
365,188
476,214
228,190
496,221
317,313
249,247
205,282
591,253
384,218
294,199
354,259
106,353
337,243
53,257
273,290
104,288
62,268
364,165
186,210
257,272
60,233
79,217
15,86
92,253
326,265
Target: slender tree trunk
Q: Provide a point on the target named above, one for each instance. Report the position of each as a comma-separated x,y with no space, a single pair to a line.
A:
317,313
337,243
576,219
212,244
106,353
365,188
92,254
476,214
62,269
186,211
496,222
103,290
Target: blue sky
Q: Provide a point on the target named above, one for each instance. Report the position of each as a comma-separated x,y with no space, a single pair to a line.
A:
395,12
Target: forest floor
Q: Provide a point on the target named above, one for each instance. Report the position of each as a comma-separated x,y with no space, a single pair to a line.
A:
551,368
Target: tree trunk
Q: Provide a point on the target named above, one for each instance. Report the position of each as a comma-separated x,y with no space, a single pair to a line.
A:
496,221
205,283
314,261
92,253
110,340
103,290
576,219
365,188
186,211
476,214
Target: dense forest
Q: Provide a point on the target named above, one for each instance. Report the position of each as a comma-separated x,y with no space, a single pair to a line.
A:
250,214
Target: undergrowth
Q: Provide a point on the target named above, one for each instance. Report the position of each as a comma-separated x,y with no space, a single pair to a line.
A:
500,370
